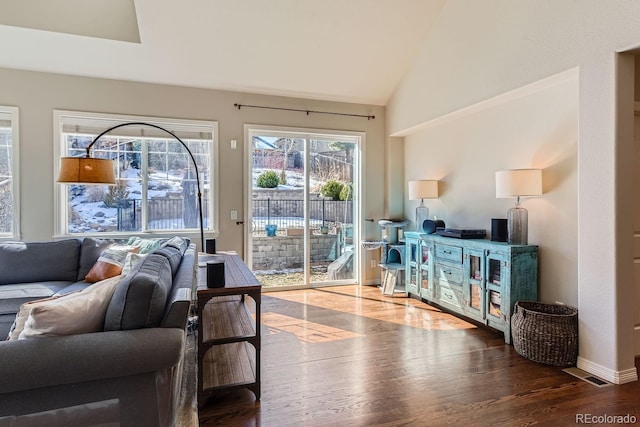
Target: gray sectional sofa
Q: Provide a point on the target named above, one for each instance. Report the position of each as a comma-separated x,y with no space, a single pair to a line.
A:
127,374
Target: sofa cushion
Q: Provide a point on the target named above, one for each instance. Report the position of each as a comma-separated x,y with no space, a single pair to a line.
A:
76,313
139,300
6,320
13,296
73,287
177,242
110,263
173,255
32,262
90,251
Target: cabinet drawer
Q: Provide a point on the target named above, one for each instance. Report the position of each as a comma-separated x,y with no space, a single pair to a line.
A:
448,274
450,296
451,253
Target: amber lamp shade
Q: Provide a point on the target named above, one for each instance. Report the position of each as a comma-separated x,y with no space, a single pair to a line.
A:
86,170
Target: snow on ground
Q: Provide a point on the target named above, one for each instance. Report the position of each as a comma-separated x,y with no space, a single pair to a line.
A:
94,214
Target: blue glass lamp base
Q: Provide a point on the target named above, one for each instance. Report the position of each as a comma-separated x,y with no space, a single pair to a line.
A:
422,213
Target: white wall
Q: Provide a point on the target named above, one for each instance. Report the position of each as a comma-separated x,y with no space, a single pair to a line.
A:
479,50
38,94
538,130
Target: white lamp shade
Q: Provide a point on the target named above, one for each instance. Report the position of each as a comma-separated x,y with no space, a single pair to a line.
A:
86,170
423,190
519,183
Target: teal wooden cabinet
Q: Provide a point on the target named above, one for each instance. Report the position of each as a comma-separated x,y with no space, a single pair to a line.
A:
477,279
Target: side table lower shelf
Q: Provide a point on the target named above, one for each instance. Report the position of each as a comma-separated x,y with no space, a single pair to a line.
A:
229,365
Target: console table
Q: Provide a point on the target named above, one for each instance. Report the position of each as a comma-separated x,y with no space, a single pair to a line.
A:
228,334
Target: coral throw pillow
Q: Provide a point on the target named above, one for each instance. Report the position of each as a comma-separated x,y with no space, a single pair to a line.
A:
109,263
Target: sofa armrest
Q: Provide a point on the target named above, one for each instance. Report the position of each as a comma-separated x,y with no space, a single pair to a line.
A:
41,362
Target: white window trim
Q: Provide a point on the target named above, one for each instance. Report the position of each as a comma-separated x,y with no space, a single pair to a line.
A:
358,136
15,174
60,201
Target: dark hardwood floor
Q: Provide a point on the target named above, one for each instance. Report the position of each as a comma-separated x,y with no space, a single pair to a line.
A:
348,356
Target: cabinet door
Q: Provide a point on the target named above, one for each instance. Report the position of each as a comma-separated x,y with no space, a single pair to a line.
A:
474,284
412,265
497,280
426,290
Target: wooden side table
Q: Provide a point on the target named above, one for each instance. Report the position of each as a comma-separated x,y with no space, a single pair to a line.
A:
228,334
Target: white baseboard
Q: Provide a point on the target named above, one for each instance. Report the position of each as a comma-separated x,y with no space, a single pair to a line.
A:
615,377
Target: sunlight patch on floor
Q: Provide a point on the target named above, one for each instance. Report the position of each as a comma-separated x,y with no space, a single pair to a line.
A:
304,330
369,300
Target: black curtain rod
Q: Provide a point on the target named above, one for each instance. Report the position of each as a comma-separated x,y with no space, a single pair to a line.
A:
368,117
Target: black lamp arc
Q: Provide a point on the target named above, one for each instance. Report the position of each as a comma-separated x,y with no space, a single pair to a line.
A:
73,169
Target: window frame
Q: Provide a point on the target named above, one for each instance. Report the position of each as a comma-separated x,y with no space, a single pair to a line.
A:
15,233
61,202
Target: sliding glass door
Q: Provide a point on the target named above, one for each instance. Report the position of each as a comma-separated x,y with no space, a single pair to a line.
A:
302,207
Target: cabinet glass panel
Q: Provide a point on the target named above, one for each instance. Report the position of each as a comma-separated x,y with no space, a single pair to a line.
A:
475,276
413,251
413,277
495,301
495,272
475,300
424,267
475,266
425,254
424,280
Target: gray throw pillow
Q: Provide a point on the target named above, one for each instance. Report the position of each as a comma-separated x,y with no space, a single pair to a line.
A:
140,298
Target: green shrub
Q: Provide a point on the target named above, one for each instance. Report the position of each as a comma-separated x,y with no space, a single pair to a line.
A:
332,189
268,179
117,196
347,192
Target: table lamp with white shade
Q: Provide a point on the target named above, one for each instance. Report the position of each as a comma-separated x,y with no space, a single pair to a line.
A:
518,183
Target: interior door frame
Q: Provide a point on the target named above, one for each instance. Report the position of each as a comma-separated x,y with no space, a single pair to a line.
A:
359,190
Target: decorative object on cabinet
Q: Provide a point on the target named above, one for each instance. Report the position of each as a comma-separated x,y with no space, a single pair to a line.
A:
476,278
430,226
518,183
420,190
463,233
499,229
545,333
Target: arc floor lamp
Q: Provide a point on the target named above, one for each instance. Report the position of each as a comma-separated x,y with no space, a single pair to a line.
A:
91,170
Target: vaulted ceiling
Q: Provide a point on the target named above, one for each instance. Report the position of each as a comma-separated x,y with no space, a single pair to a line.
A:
339,50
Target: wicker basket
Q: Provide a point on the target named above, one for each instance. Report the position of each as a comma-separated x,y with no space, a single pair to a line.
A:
545,333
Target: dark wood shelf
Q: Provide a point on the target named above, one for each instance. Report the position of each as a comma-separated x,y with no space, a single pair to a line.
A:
226,319
228,332
228,365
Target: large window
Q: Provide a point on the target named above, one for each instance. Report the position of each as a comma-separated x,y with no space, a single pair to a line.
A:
9,212
156,186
